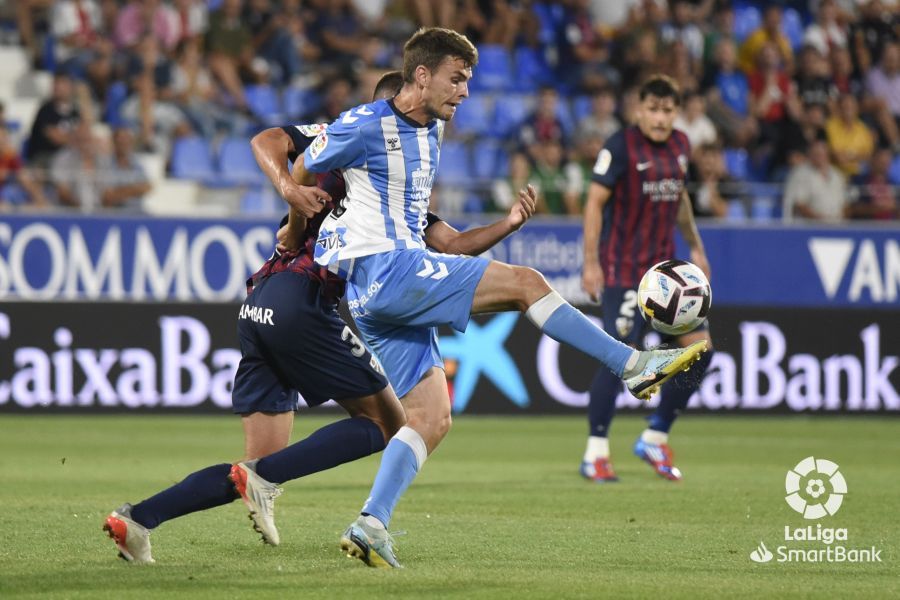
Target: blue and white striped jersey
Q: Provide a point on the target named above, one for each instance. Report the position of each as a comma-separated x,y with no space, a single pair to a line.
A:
388,162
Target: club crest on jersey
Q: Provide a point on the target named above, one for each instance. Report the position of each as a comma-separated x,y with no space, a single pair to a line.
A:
318,145
312,130
683,163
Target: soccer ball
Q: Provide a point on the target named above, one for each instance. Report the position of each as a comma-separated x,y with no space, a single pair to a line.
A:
674,296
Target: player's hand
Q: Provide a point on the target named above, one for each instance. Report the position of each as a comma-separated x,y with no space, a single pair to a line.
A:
287,240
524,208
592,280
698,257
307,200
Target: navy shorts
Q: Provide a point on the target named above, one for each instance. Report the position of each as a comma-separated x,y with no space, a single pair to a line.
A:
292,341
622,318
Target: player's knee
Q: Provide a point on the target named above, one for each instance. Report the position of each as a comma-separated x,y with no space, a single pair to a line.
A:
432,426
530,287
443,427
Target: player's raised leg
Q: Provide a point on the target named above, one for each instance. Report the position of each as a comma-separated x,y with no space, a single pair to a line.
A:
509,287
653,444
427,408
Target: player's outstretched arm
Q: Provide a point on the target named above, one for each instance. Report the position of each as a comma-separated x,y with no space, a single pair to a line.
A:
271,149
444,238
688,228
591,272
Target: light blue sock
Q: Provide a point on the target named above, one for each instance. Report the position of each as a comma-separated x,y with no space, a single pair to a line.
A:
400,463
566,324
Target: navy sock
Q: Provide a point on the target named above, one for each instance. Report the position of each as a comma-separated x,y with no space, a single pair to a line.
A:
328,447
602,406
676,393
207,488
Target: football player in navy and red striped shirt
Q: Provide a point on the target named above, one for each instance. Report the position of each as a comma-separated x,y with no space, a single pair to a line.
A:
635,201
293,340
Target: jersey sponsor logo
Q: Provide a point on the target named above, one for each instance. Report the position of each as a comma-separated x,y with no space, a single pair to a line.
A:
257,314
643,166
422,180
393,144
664,190
318,145
331,240
604,160
357,306
312,130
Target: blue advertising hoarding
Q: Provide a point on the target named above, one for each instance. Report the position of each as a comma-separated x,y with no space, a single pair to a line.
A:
140,259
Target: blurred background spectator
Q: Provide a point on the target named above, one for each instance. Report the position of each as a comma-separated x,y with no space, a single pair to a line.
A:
815,190
766,86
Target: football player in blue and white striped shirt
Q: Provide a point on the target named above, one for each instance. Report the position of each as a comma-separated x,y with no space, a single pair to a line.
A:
399,291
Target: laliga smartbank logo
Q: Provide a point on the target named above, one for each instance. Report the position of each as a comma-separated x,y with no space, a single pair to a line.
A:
815,488
814,477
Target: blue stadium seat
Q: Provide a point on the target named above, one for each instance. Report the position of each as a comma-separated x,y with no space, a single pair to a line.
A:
455,167
494,70
264,104
549,16
582,106
736,211
299,102
48,54
13,193
237,164
564,114
260,202
115,98
192,159
894,171
792,27
509,112
473,204
737,163
747,19
762,208
484,159
531,70
473,116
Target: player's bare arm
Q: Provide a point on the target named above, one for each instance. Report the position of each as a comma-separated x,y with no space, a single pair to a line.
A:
688,228
290,236
591,272
271,149
444,238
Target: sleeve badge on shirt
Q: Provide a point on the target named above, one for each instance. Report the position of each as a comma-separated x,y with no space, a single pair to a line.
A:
683,163
312,130
604,159
318,145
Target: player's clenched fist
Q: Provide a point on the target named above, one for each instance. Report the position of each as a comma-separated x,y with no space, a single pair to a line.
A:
524,208
307,200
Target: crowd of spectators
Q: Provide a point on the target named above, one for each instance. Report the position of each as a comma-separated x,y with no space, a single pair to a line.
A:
802,94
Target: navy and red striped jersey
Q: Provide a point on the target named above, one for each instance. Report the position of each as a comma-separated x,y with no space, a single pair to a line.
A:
301,261
647,180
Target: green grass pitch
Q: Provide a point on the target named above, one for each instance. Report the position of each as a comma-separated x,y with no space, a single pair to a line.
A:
498,512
